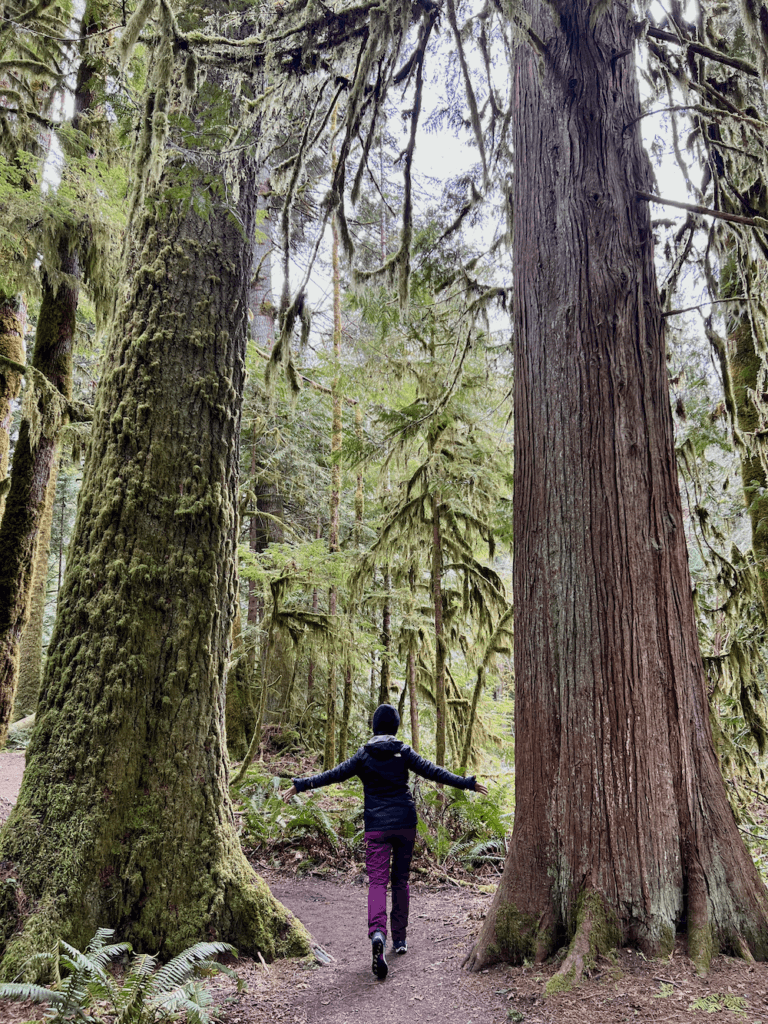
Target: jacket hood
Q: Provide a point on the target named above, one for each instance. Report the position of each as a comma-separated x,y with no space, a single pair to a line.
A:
383,744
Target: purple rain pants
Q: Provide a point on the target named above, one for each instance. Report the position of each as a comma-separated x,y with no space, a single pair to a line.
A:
396,843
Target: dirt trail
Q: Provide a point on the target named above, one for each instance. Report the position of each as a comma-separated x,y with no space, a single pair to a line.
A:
428,986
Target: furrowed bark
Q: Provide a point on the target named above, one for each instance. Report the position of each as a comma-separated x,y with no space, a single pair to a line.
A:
619,793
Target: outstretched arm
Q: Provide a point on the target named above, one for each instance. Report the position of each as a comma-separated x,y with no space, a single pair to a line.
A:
342,771
435,773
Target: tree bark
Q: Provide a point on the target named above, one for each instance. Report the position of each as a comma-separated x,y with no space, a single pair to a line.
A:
440,652
745,365
385,679
33,460
413,700
329,753
31,646
623,830
124,817
12,347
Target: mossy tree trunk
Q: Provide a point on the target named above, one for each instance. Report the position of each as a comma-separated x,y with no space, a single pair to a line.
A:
440,647
124,818
33,460
745,369
385,679
37,450
413,696
31,646
329,753
12,348
623,832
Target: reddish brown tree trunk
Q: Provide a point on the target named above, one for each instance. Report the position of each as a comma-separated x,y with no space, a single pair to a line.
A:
621,813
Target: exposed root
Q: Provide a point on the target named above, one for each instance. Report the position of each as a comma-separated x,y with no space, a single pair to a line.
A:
596,932
701,939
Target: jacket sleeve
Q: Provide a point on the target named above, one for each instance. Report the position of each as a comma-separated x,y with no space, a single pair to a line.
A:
340,773
435,773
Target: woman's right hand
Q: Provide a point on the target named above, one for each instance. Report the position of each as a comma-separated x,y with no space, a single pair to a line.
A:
286,796
480,788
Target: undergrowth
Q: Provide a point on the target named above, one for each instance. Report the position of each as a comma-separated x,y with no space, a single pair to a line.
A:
323,830
88,990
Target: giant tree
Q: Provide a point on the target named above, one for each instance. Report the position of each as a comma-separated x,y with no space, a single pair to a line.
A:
623,832
124,817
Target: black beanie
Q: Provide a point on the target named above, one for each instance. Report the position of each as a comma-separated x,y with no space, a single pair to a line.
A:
386,720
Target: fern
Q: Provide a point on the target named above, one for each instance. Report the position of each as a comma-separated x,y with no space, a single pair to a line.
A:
147,994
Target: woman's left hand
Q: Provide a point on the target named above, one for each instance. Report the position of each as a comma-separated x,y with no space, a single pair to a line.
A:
480,788
286,796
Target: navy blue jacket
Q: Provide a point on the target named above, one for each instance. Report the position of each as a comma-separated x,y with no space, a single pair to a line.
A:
383,765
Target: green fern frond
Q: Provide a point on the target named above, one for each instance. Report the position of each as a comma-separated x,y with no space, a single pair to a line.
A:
179,970
23,992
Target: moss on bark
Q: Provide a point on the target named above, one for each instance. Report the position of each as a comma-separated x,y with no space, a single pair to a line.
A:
124,818
33,457
31,644
12,347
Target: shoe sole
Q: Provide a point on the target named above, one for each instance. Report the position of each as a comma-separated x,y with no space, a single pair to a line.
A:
380,967
401,951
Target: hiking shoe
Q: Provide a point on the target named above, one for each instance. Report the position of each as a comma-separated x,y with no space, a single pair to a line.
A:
379,965
400,946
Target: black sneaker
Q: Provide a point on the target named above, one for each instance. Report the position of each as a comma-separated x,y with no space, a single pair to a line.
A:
379,965
400,946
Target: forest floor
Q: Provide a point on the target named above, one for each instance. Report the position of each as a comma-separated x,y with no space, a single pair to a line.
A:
428,985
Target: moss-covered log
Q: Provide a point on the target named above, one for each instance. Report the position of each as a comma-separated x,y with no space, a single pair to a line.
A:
620,805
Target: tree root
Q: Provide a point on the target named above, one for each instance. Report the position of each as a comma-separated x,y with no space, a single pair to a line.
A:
596,932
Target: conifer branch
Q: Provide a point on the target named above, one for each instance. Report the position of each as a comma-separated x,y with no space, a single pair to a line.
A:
704,51
734,218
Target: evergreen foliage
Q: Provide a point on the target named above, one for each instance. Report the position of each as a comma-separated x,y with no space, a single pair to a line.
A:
147,993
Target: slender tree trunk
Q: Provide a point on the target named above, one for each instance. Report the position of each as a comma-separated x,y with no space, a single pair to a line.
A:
385,679
33,460
476,692
412,683
413,700
346,712
623,832
359,489
329,752
372,690
11,347
437,607
31,646
36,451
329,756
315,609
124,818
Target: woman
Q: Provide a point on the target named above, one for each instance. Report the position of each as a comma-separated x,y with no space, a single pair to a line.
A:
383,764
